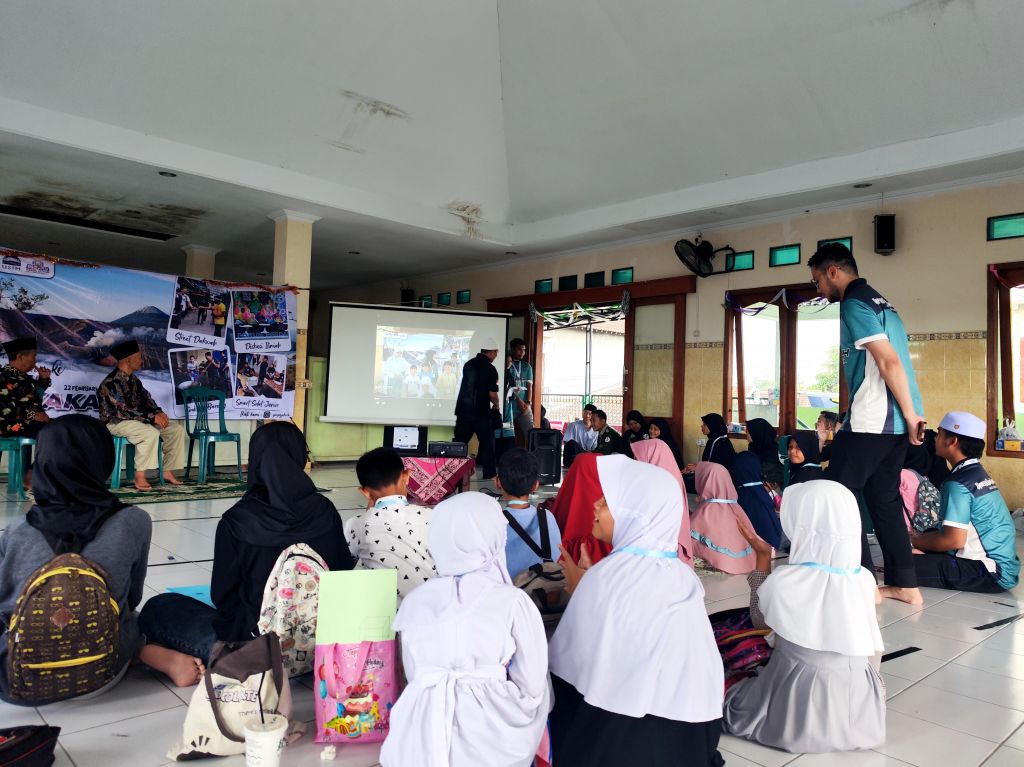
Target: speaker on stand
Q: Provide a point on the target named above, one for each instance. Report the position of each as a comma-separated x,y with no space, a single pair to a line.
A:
546,444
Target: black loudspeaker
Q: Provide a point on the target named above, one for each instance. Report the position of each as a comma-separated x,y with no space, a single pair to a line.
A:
546,444
408,297
885,233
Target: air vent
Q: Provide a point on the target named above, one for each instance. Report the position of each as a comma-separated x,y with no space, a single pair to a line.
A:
84,223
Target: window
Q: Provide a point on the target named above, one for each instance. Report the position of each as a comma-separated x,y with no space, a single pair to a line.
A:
782,352
847,241
462,297
593,280
568,283
622,276
740,262
426,300
543,286
784,255
1006,227
444,299
1005,349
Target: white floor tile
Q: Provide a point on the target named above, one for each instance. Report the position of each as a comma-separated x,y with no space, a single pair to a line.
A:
719,587
925,744
1006,641
732,760
914,667
727,604
139,742
161,556
181,541
946,627
1017,739
891,611
137,694
61,758
979,685
755,752
994,661
1006,757
17,716
206,527
847,759
161,578
957,712
894,685
978,614
901,635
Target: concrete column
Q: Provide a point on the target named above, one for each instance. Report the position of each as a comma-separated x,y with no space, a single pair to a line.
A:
200,261
293,256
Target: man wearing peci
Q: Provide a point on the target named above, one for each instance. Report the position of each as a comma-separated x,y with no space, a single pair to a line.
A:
21,403
478,398
869,449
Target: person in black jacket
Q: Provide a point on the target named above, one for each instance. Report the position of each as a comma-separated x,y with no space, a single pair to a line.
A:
280,508
478,398
717,449
609,441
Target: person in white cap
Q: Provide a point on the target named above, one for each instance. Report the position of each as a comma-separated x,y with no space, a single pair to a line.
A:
478,398
974,549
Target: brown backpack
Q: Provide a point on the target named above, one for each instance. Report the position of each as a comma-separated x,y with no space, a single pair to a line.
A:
63,634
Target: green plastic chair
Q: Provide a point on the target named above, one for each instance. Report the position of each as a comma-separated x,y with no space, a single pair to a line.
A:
15,469
200,398
123,446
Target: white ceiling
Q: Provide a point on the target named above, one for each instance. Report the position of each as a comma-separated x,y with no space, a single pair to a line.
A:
568,124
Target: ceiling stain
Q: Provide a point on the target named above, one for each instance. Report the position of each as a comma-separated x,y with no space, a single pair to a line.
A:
471,214
346,147
355,118
79,191
154,217
373,106
64,205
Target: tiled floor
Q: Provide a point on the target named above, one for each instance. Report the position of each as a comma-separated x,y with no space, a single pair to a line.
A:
958,701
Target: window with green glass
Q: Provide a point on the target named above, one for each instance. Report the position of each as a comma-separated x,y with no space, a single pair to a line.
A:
743,261
622,276
444,299
569,282
426,300
847,241
593,280
784,255
1006,227
543,286
462,297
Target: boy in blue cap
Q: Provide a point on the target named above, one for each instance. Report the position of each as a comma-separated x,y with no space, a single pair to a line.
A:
975,547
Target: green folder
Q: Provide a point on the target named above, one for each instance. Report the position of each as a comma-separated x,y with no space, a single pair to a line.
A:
357,606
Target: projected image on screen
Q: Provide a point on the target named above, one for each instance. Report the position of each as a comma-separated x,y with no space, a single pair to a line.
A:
419,363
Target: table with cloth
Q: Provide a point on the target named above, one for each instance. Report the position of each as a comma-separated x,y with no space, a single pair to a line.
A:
431,479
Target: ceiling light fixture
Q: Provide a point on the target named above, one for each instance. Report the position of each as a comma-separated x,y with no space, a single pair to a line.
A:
863,185
168,174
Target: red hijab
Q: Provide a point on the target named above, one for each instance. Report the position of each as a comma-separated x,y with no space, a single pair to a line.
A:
574,508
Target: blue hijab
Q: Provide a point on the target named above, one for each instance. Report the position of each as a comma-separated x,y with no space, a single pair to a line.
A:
754,499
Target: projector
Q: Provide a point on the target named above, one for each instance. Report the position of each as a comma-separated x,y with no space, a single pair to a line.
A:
447,449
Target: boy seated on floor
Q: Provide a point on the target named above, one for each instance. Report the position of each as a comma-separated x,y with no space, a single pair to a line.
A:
974,549
391,534
518,476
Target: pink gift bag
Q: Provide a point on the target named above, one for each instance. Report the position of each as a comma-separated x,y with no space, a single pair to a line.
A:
357,684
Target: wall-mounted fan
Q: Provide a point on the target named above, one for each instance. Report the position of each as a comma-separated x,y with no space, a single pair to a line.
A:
698,256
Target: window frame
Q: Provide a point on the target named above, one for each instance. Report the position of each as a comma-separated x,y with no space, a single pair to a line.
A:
788,320
999,354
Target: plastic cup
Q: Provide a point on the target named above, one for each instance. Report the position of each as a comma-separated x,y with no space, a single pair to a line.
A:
264,741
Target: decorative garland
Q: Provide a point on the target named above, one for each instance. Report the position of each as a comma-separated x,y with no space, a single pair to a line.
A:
581,314
782,298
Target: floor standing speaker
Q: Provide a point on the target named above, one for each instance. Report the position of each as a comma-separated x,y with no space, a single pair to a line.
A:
546,444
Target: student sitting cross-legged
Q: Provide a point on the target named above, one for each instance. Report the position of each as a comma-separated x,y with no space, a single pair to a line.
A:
518,473
820,691
975,547
392,533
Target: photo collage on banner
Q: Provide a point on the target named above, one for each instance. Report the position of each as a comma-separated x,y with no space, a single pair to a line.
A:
185,328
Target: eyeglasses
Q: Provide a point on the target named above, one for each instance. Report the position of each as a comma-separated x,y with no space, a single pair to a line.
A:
814,283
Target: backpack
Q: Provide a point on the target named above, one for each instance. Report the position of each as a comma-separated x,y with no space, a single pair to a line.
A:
63,633
929,503
743,648
545,581
289,605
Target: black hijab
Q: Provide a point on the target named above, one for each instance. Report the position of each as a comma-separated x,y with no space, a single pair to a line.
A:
666,437
629,434
721,451
282,505
764,440
74,459
804,472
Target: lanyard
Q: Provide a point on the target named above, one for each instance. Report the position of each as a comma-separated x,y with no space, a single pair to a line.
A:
965,462
828,569
752,484
391,500
720,500
639,552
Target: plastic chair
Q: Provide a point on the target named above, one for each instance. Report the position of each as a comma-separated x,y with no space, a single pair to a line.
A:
200,397
122,445
15,468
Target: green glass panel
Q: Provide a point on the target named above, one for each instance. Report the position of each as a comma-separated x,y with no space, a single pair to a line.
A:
543,286
462,297
1006,227
622,276
740,262
847,241
426,300
570,282
784,255
444,299
593,280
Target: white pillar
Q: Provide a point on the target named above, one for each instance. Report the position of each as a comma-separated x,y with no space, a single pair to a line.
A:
200,261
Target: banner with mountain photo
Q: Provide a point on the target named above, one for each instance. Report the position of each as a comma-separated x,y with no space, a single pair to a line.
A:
78,311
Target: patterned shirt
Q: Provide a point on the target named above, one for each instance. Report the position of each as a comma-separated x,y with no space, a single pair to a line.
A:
20,400
122,397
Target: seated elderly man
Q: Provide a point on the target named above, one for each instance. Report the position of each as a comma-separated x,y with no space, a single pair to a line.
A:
21,403
129,411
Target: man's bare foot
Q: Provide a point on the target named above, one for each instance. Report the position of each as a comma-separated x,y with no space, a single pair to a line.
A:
170,479
184,670
910,596
878,597
141,483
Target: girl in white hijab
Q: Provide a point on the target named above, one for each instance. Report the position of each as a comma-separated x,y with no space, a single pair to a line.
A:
474,650
638,678
820,691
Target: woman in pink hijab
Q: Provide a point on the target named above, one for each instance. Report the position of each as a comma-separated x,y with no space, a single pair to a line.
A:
656,452
716,537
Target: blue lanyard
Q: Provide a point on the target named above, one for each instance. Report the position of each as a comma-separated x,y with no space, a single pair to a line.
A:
391,500
637,551
719,500
809,465
752,484
828,569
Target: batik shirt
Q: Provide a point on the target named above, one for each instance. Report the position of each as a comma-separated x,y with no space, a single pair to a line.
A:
20,400
122,397
392,535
